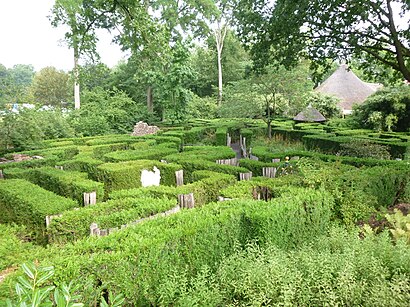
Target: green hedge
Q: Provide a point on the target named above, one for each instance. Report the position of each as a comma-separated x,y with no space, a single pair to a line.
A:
196,135
153,153
70,184
221,136
84,163
276,186
25,203
74,225
206,188
188,241
100,150
126,175
331,144
288,134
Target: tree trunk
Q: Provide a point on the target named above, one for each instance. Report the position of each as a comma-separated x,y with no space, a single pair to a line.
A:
220,34
150,100
219,77
76,80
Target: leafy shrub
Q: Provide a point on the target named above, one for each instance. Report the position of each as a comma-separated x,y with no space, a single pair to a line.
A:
13,248
202,107
74,225
400,225
25,203
337,269
364,149
66,183
327,105
388,109
125,175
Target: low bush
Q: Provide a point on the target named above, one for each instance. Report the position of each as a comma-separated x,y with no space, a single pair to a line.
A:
126,175
25,203
70,184
338,270
187,242
74,225
153,153
364,149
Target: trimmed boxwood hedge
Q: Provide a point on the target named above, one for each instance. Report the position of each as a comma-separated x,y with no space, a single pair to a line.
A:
126,175
188,241
74,225
206,188
151,153
23,202
70,184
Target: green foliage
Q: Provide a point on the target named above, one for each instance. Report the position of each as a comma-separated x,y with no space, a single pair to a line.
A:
34,289
66,183
364,149
400,225
25,203
51,87
336,269
325,104
15,84
289,31
202,107
27,128
126,175
75,225
107,111
14,248
241,101
386,110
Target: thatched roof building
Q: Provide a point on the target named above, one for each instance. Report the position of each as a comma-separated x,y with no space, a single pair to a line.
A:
346,86
310,114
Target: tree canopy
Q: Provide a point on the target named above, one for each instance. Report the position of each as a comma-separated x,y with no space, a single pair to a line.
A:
372,31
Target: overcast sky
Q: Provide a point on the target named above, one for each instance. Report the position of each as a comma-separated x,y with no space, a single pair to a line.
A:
27,37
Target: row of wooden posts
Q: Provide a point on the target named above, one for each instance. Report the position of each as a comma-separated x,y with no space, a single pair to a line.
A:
184,201
96,231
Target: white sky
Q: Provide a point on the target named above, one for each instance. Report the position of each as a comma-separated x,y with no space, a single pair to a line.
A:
27,37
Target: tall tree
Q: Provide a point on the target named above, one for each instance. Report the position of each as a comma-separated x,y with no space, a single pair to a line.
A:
376,31
82,19
51,87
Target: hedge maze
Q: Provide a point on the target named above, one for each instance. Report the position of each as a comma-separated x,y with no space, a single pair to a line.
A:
153,242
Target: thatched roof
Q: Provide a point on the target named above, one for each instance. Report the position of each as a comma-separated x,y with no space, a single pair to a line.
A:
310,114
346,86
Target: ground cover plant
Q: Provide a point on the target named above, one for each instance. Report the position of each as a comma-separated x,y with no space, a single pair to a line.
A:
307,237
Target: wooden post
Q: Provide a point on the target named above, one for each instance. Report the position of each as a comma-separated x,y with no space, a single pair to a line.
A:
49,218
269,172
245,176
221,198
94,230
228,140
1,174
179,177
90,198
112,230
186,200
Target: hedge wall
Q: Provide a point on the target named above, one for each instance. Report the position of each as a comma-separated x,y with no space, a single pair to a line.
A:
23,202
74,225
126,175
188,241
70,184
